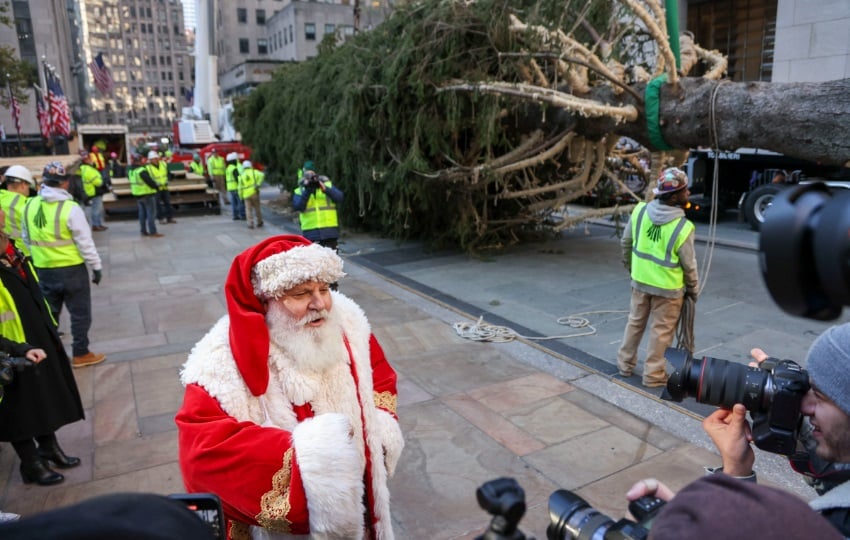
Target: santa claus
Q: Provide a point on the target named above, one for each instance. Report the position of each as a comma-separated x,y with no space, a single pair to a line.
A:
289,414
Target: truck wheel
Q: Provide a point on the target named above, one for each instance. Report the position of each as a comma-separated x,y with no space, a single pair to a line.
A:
757,203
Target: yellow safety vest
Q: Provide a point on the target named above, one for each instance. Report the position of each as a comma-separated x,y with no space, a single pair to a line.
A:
91,179
249,182
99,162
10,320
216,165
320,211
196,167
51,241
13,206
231,182
159,174
137,186
655,257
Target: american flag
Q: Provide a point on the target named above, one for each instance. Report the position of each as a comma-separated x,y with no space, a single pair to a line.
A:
43,115
102,76
60,114
16,112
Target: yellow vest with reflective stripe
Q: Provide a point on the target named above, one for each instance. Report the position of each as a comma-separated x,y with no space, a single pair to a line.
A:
51,242
249,182
231,182
320,211
655,250
13,206
197,168
216,165
91,179
99,162
159,174
137,186
10,321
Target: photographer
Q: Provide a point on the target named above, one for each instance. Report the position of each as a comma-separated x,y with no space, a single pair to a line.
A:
316,199
826,407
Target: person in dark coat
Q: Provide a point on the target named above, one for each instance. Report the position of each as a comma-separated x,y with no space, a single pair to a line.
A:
43,397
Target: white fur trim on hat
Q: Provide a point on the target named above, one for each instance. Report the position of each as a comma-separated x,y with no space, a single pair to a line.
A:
285,270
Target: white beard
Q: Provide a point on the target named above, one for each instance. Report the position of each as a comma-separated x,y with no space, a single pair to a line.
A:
310,349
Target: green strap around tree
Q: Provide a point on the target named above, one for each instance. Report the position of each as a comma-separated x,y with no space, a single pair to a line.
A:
652,99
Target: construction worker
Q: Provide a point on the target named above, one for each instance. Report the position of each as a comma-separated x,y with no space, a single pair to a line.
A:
249,192
59,238
195,166
158,171
92,182
231,175
216,166
18,186
144,188
316,199
658,251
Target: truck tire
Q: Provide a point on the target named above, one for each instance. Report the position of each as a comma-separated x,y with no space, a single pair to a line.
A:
757,203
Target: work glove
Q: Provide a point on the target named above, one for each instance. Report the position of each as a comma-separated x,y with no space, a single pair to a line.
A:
692,294
97,275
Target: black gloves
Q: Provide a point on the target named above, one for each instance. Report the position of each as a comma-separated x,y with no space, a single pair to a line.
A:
692,294
97,276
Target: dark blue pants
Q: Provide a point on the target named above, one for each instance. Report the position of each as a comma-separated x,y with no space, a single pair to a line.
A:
164,210
237,205
147,213
70,286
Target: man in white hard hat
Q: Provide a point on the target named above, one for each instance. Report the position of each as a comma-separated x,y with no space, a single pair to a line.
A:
249,192
18,185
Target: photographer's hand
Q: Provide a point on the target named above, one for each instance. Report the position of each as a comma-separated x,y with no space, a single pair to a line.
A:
651,487
759,356
730,432
36,355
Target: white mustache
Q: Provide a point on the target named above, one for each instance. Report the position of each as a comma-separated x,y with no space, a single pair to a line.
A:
314,316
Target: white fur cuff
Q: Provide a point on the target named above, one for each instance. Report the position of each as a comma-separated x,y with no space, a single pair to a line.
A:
285,270
332,475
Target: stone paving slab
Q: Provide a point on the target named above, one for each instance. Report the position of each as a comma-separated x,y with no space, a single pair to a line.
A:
470,412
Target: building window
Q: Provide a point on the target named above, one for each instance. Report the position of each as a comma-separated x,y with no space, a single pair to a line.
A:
290,34
242,15
244,47
261,16
329,28
262,46
310,31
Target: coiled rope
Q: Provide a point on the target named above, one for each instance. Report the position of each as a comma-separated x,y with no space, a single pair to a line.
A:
481,331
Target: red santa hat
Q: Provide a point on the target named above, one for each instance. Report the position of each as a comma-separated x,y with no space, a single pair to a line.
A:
262,272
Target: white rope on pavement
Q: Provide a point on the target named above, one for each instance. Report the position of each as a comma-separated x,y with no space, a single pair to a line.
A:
481,331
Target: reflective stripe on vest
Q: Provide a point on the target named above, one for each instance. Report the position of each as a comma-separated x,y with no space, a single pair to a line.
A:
320,212
51,241
13,205
159,174
216,165
231,180
249,181
10,321
655,257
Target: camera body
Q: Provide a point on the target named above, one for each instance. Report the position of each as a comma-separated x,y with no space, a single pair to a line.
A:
8,366
208,508
312,180
772,392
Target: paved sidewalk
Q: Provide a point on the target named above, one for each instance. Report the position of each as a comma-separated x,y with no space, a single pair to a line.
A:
470,411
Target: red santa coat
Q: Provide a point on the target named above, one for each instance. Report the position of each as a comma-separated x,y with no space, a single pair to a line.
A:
285,464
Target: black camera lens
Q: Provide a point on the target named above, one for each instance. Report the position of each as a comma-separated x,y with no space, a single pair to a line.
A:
571,516
718,382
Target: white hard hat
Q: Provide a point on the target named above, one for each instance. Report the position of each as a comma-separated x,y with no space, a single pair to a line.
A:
246,164
21,173
153,154
232,157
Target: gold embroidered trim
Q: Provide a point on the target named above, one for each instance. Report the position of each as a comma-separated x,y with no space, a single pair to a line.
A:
386,401
239,530
274,505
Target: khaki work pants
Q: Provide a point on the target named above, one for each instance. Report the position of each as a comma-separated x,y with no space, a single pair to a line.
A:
218,181
253,210
665,316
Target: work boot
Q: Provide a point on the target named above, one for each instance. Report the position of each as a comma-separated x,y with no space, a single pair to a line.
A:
88,359
171,221
156,235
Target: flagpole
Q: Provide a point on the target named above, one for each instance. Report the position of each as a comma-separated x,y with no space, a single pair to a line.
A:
49,107
17,122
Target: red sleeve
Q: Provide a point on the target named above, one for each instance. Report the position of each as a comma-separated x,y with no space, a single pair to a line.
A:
383,378
251,468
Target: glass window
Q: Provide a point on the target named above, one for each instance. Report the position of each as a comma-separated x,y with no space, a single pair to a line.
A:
329,28
242,15
261,16
310,31
262,46
244,47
